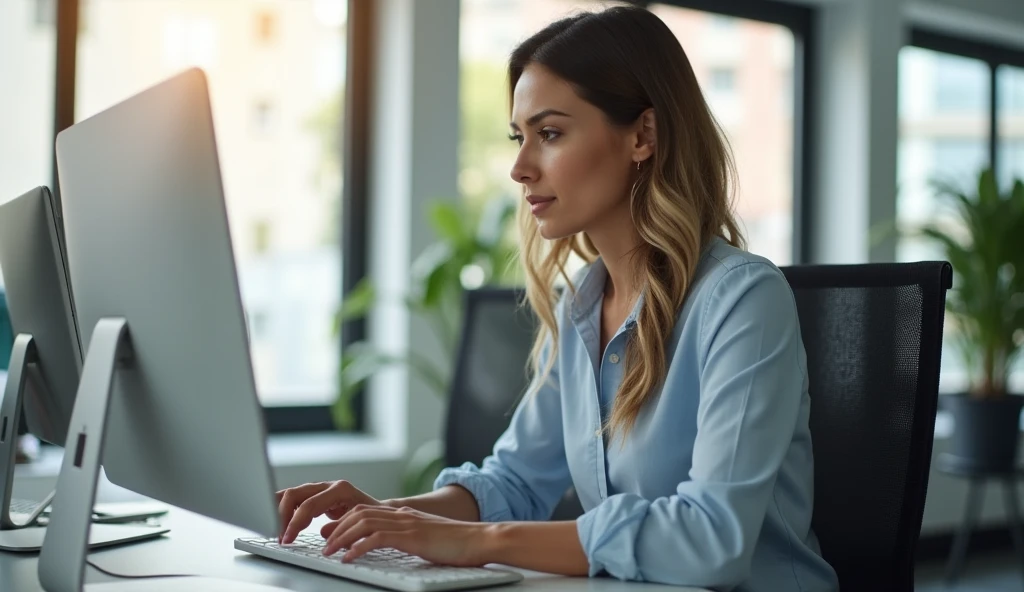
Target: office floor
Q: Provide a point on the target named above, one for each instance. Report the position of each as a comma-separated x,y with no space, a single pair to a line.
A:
984,573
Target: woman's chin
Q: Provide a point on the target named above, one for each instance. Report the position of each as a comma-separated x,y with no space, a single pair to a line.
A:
552,231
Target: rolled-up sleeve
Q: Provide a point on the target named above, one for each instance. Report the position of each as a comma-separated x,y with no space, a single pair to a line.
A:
527,473
752,372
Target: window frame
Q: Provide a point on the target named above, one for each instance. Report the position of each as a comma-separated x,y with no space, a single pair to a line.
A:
992,54
354,192
800,21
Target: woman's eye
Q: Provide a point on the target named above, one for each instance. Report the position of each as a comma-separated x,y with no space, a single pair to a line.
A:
547,135
516,138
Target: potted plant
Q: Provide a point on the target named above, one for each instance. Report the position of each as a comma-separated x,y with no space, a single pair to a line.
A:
984,242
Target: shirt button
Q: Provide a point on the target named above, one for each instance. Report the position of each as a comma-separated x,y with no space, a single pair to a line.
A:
597,433
614,358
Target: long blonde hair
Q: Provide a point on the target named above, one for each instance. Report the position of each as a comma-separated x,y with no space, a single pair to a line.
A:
625,60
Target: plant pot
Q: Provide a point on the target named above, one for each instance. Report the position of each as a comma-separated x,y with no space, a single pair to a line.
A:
986,432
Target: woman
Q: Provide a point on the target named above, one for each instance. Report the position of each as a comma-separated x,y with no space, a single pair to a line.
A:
670,383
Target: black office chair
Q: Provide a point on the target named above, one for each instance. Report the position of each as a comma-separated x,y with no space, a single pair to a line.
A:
873,336
490,378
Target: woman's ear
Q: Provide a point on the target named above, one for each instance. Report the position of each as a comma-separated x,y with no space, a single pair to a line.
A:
646,136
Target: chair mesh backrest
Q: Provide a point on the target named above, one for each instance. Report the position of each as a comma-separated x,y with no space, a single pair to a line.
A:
490,373
873,339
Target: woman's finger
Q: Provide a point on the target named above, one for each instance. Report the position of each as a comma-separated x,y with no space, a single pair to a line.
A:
289,499
344,538
336,494
327,529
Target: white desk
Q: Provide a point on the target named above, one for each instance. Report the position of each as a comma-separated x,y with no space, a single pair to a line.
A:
200,546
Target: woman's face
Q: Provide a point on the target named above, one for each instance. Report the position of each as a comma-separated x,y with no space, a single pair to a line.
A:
576,166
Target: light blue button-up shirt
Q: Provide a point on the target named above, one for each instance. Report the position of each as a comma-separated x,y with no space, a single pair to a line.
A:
714,486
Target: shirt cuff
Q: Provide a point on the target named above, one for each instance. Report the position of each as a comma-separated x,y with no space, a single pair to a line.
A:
489,501
608,533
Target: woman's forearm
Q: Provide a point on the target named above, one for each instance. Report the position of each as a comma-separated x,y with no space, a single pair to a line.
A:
451,501
551,547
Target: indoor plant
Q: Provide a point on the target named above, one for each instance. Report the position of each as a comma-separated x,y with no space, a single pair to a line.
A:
983,239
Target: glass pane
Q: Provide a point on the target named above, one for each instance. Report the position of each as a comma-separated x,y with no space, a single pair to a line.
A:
745,68
944,121
27,54
276,70
1010,157
943,136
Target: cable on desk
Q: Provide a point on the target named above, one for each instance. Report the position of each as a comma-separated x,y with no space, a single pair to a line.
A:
128,577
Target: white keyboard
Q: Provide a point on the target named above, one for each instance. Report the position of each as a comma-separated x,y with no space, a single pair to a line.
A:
386,568
22,509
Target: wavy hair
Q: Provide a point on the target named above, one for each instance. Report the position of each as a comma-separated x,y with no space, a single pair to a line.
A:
625,60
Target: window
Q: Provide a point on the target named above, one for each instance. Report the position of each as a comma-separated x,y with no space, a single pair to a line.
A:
283,196
743,65
747,77
961,110
943,133
960,84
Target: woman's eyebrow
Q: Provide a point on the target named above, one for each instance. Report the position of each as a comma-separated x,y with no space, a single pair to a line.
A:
537,117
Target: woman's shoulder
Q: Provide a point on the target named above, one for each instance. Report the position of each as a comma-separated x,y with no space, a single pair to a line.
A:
726,274
722,259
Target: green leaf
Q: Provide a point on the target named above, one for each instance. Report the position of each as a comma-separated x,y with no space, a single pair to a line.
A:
988,191
359,362
358,302
448,221
430,273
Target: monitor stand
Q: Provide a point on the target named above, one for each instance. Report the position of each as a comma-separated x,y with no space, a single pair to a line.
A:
24,366
62,560
24,536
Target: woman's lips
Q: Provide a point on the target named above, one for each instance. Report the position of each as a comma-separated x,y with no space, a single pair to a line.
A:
539,203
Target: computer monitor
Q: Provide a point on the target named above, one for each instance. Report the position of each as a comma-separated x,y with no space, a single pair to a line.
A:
167,397
41,318
46,359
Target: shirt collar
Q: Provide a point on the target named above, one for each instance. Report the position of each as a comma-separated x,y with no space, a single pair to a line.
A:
591,289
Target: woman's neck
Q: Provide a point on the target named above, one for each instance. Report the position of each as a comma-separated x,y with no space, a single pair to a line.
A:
617,246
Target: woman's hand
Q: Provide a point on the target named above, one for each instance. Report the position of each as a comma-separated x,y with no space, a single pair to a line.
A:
300,505
434,538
